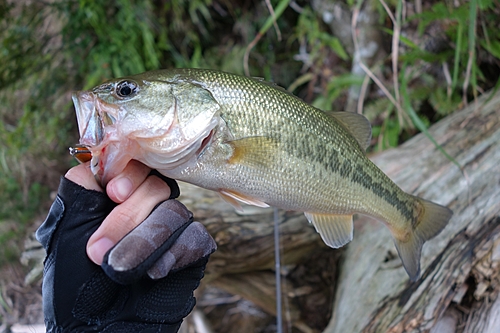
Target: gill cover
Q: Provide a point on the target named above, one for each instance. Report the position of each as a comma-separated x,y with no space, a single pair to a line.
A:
194,116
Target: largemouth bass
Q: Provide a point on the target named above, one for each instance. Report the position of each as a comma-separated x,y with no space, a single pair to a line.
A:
253,142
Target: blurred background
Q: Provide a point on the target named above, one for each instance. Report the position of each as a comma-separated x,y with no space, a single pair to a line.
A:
404,65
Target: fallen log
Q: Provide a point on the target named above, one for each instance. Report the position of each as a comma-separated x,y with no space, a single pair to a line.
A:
460,267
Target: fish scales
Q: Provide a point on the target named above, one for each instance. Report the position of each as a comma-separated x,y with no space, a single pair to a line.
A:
253,142
241,96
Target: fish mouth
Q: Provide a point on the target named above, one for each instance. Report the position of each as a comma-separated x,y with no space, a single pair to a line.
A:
94,118
92,115
90,124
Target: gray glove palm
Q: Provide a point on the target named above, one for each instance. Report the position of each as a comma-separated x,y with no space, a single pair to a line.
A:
167,240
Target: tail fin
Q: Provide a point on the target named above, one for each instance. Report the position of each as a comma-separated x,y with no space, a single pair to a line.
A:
432,220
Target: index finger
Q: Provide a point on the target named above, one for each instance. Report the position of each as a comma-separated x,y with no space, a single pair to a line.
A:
82,175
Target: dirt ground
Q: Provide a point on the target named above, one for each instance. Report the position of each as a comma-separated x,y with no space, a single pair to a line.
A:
19,304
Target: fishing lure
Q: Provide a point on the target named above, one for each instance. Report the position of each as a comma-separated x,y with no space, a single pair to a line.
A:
81,153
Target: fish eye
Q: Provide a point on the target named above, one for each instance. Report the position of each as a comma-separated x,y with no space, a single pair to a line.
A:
126,88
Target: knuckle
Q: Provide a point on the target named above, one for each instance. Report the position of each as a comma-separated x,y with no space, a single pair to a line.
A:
125,217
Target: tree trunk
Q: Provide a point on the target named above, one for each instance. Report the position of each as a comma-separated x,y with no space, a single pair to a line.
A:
460,267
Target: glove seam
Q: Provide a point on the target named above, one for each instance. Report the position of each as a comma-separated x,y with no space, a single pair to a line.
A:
58,219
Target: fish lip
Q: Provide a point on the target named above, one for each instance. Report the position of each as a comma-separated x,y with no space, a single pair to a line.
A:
90,124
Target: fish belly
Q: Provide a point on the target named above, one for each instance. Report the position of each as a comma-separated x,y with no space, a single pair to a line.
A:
288,183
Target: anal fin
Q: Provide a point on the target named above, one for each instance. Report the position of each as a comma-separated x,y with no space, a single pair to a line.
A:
234,198
335,230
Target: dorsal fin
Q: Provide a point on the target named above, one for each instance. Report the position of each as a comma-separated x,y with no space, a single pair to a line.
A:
356,124
272,84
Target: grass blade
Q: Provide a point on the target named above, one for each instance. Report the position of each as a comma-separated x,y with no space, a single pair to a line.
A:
268,24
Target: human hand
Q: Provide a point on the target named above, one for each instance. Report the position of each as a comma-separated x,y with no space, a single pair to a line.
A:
78,295
137,193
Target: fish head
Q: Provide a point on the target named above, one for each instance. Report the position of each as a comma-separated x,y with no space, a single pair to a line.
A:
161,122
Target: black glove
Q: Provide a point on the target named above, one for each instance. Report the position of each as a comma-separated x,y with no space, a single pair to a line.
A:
147,280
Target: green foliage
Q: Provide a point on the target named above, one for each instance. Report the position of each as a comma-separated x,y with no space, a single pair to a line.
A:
49,49
309,31
112,38
335,88
460,26
455,43
19,205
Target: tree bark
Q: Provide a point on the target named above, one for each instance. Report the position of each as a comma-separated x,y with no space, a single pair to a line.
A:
460,267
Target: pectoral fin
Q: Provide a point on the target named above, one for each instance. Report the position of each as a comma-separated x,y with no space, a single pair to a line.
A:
335,230
234,198
255,151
